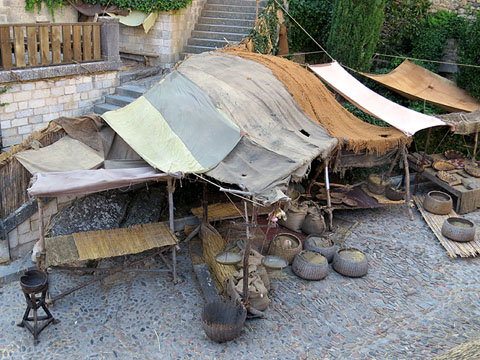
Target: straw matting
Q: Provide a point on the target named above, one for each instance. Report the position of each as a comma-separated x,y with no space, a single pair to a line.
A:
467,351
222,211
60,250
454,248
382,199
109,243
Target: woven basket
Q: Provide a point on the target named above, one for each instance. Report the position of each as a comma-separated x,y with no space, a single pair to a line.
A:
438,202
349,268
443,165
309,271
328,252
394,194
452,228
287,254
374,185
222,320
472,170
454,154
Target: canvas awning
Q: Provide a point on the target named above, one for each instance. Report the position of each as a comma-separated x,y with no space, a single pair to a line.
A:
406,120
417,83
91,181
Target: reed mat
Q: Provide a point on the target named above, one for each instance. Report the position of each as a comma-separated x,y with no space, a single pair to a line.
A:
454,248
222,211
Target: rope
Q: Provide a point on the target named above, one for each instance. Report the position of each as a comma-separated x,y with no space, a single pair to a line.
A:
236,208
305,31
214,184
425,60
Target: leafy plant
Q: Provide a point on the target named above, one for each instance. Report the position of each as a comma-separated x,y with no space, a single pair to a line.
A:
355,31
265,36
145,6
3,90
51,5
469,51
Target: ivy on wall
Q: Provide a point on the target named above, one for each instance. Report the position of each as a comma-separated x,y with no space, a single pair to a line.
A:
265,36
140,5
3,90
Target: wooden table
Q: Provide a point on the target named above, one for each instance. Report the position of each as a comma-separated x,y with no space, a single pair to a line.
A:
460,192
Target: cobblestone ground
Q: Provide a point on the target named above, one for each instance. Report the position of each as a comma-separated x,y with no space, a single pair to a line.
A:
415,303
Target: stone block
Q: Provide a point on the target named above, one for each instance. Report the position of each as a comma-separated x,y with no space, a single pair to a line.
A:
24,113
11,108
24,227
36,103
69,89
41,110
58,91
84,87
42,85
22,96
27,86
7,116
84,96
39,126
27,129
19,122
22,105
35,119
13,238
65,98
70,105
41,94
55,109
49,117
51,100
5,124
60,83
12,140
6,98
9,132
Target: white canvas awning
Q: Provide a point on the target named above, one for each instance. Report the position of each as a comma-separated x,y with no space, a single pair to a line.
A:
406,120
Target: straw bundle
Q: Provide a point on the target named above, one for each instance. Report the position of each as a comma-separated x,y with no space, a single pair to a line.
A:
213,244
469,350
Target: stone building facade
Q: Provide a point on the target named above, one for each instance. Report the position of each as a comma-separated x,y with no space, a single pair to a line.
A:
165,41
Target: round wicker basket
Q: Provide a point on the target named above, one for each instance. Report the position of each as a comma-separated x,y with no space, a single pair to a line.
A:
458,229
394,194
376,185
223,320
307,270
327,251
289,253
438,202
346,265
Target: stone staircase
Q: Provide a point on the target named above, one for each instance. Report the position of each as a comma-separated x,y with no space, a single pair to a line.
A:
124,95
222,21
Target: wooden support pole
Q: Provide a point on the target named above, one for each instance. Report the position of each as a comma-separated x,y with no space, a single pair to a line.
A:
246,256
205,203
390,169
315,176
171,189
475,146
422,162
41,231
407,182
329,200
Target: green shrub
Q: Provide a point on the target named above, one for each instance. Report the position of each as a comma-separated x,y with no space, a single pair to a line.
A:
469,53
355,31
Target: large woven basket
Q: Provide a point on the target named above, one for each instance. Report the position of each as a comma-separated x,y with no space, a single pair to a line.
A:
346,267
458,229
287,254
438,202
376,185
222,320
328,252
307,270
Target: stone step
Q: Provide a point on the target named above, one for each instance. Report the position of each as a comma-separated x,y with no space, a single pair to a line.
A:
228,15
211,43
223,28
194,49
237,2
231,8
131,91
118,100
102,108
224,21
217,35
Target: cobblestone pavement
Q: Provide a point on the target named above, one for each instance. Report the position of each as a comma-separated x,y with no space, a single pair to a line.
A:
415,303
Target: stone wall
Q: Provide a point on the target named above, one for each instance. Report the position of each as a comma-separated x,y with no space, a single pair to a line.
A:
32,105
13,12
166,39
461,6
26,234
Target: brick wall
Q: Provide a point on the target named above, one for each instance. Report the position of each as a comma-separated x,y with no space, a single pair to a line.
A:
166,39
32,105
13,12
22,239
461,6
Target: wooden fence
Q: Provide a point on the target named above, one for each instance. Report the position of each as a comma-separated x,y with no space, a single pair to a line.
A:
33,45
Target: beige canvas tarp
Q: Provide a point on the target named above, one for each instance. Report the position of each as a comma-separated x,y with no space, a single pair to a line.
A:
417,83
91,181
406,120
316,101
63,155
